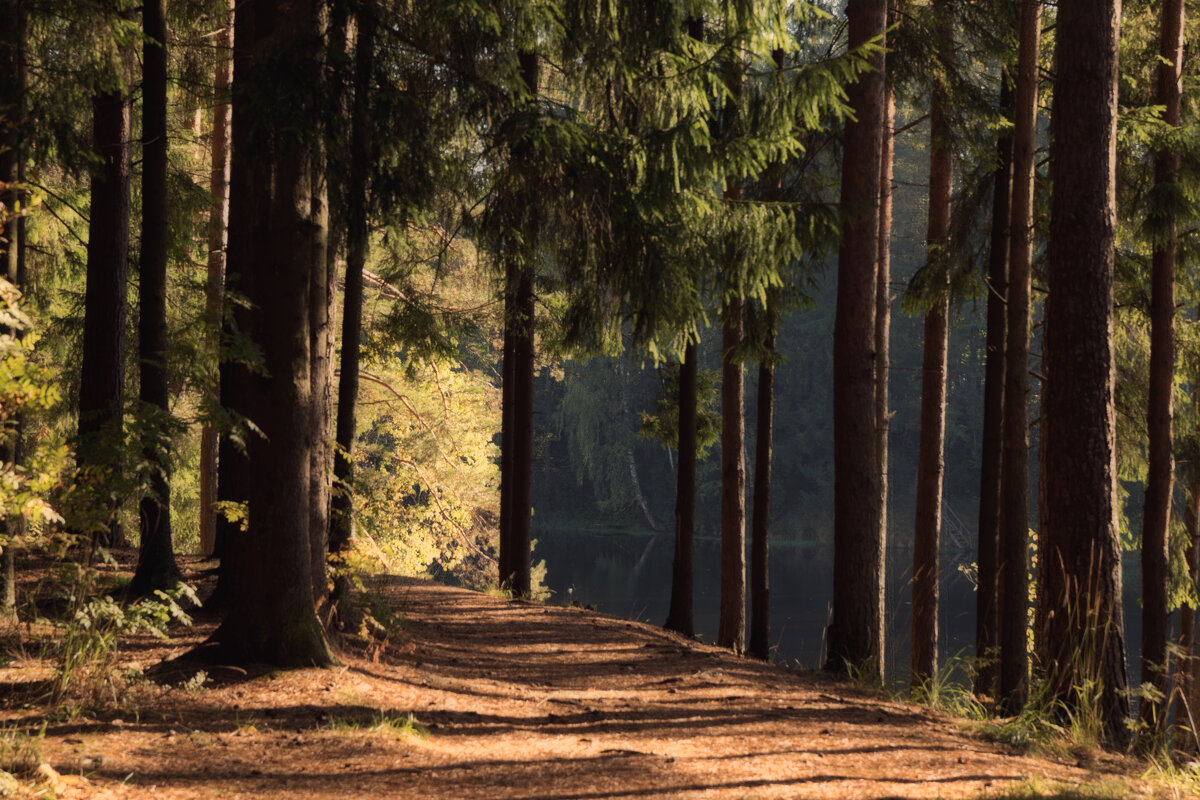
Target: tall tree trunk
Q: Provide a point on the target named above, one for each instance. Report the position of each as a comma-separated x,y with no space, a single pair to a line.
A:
1187,696
12,240
760,554
1014,480
987,616
931,459
272,585
102,372
679,616
507,420
521,469
156,558
357,247
322,291
218,237
236,393
731,630
1080,621
883,297
856,632
1161,409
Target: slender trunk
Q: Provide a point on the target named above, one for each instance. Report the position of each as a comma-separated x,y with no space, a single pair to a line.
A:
883,304
987,616
731,630
508,379
521,469
156,558
1082,631
322,291
1187,707
245,210
856,632
102,372
1014,480
931,463
341,523
679,617
760,555
12,240
1161,410
218,237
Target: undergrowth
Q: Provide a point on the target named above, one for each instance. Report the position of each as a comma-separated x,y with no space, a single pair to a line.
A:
401,726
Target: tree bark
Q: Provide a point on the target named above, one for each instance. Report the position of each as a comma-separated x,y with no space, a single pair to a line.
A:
987,616
102,372
218,237
1187,697
760,553
507,420
1080,621
1014,480
322,291
521,502
245,209
883,298
679,616
12,240
731,630
156,567
357,247
272,579
1160,413
856,632
931,463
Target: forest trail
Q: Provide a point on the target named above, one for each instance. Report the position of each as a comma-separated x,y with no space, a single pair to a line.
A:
520,700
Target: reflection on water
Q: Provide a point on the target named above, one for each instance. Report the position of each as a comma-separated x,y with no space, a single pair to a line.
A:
630,576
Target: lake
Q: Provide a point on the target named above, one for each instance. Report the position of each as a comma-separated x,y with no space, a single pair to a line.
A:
629,575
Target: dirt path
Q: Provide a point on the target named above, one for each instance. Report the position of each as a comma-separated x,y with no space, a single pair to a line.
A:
529,701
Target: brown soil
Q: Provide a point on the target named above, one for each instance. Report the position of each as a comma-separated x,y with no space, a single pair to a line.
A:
517,700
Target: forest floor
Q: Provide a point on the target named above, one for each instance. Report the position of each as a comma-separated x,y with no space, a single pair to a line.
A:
475,696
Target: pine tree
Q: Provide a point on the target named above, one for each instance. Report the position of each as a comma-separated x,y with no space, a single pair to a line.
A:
856,633
1080,626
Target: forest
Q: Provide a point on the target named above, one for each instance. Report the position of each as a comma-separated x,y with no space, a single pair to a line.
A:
859,336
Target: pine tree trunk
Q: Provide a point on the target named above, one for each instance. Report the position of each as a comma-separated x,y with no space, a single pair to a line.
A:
856,632
883,304
156,557
521,468
272,580
245,209
12,111
218,237
679,616
987,616
1081,626
102,372
731,629
931,459
760,554
322,291
357,247
1187,695
1161,409
1014,480
508,382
